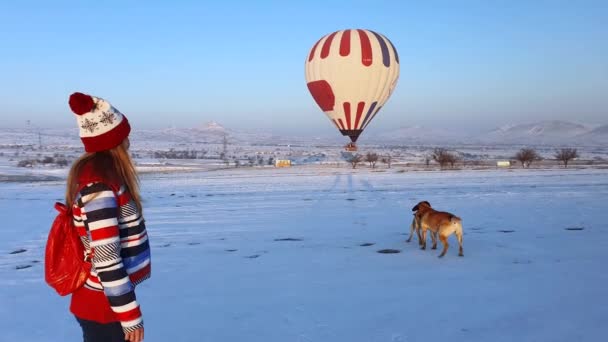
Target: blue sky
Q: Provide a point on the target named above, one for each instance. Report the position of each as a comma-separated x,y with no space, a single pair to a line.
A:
464,64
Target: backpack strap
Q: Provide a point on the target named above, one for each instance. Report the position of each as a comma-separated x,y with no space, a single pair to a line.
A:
88,255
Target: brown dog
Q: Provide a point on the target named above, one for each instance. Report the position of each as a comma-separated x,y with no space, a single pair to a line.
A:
439,223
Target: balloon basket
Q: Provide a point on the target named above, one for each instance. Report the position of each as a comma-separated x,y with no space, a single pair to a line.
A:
351,147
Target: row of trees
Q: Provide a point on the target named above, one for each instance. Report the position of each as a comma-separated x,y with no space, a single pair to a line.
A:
371,158
58,160
445,158
528,155
257,160
176,154
525,156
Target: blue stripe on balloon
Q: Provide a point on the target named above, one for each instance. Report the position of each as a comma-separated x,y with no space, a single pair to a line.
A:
394,50
385,57
369,113
371,117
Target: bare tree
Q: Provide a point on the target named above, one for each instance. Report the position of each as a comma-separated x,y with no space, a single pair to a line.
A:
372,159
565,155
526,156
387,160
452,159
355,159
443,157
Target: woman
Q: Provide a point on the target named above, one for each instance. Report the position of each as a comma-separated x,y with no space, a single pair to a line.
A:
103,192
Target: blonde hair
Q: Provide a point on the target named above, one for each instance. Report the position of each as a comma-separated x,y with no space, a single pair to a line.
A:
114,165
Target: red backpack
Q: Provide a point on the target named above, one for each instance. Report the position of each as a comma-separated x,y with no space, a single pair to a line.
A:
66,264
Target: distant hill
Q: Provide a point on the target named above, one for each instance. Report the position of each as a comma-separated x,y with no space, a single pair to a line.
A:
598,135
416,135
553,133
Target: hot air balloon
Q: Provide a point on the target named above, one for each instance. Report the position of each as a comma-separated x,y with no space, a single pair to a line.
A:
351,74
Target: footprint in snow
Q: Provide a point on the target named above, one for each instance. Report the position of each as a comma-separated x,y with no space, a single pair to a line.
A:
18,251
389,251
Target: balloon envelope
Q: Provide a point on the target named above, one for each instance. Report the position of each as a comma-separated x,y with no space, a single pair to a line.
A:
351,74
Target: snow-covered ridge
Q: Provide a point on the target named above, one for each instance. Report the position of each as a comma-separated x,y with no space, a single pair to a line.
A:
552,132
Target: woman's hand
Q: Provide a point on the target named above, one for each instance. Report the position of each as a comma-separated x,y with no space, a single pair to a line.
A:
135,336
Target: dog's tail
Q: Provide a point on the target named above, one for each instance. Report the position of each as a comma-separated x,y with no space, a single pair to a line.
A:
457,222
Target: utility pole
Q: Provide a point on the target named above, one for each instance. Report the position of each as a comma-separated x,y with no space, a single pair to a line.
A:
225,148
29,124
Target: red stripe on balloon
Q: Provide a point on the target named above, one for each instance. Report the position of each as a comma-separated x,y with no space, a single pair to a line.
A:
336,123
312,52
346,106
366,48
327,45
360,107
323,94
345,44
341,124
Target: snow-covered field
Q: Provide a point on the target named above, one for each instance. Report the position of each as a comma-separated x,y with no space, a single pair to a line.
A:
276,255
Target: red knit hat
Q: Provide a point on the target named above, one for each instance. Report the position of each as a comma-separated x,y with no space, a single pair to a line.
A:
102,127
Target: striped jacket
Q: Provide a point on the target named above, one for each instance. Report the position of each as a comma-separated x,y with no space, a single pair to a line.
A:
109,223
